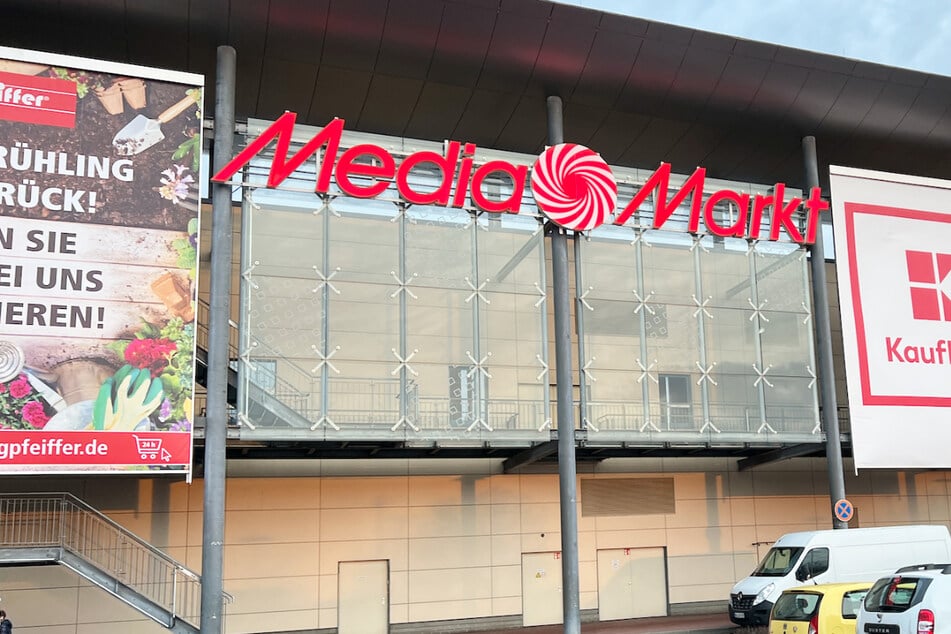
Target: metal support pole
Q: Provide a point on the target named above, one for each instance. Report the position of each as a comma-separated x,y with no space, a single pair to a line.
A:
216,422
820,300
567,468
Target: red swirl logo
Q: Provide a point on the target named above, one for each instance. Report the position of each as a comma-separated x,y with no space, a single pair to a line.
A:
574,187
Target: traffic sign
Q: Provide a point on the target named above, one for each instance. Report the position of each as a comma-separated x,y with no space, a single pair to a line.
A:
843,510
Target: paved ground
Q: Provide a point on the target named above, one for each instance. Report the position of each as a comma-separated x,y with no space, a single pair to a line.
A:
697,624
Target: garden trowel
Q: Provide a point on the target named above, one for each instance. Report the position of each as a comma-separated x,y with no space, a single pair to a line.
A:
142,133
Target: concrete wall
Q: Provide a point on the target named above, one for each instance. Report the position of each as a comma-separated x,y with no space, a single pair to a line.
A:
454,541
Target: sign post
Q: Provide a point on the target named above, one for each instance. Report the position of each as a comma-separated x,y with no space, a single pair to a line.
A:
843,510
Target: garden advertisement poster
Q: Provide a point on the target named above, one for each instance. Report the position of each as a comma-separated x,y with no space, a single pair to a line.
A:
99,202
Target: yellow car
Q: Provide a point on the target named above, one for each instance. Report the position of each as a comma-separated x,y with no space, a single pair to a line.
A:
829,608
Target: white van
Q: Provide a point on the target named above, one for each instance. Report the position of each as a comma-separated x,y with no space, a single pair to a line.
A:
857,554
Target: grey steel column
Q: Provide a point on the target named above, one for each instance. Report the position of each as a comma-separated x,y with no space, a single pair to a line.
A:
567,469
820,300
216,423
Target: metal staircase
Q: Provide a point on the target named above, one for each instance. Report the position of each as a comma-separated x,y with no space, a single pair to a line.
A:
49,528
282,405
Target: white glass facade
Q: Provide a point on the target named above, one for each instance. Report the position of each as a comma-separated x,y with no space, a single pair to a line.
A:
375,318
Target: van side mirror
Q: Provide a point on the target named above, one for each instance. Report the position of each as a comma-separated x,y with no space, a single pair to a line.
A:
803,573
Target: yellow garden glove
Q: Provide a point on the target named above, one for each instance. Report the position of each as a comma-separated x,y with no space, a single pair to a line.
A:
125,399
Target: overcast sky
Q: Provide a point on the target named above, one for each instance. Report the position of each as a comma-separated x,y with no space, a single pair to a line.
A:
912,34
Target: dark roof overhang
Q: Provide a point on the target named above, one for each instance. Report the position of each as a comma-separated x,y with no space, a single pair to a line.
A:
638,92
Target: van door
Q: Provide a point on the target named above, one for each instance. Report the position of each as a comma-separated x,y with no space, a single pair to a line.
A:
814,563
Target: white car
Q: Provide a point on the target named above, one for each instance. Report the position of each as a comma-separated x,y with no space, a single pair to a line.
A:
914,600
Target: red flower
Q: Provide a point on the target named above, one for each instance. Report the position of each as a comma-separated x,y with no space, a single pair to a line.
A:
3,388
20,387
150,353
34,414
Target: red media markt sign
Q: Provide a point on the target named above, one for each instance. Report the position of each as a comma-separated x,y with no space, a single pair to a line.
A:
572,184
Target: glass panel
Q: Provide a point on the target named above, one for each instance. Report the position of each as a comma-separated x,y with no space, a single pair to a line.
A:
364,321
725,273
365,248
284,316
731,340
512,321
465,385
510,250
678,352
615,402
734,402
611,330
510,328
280,282
439,327
438,249
668,268
786,342
364,395
781,281
791,404
612,333
609,265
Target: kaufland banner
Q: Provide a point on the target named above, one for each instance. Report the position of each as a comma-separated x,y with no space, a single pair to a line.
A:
893,258
99,174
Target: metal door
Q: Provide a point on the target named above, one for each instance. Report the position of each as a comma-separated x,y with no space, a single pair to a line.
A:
541,588
363,597
632,583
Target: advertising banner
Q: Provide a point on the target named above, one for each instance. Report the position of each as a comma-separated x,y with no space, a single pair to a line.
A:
99,176
893,259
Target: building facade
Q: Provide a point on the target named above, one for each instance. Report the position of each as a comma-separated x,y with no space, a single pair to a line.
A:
392,442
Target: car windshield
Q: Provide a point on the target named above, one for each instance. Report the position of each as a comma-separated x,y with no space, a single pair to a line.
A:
778,561
796,606
893,594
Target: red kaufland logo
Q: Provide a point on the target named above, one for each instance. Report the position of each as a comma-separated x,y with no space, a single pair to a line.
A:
930,278
900,288
41,100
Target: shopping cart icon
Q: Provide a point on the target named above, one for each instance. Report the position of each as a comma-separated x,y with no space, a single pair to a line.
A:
151,448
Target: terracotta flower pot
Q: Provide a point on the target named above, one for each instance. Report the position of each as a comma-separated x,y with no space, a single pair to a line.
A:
174,294
133,90
111,98
79,380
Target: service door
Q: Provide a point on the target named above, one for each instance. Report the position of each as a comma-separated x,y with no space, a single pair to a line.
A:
541,588
363,597
632,583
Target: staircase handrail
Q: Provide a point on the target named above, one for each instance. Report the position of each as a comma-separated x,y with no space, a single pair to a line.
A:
182,603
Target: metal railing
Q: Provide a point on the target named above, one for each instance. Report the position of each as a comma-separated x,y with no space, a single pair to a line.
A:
375,403
60,520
